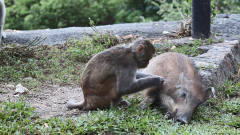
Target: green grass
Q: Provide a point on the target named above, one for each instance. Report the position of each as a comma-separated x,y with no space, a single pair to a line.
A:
216,116
47,64
33,66
58,64
83,50
211,118
189,49
231,89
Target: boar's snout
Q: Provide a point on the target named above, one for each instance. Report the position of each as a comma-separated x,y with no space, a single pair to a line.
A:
183,119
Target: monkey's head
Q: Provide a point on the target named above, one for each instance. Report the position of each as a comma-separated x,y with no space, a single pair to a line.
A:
143,51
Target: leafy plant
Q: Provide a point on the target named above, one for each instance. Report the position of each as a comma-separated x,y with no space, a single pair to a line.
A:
52,63
231,89
83,50
39,14
173,9
190,49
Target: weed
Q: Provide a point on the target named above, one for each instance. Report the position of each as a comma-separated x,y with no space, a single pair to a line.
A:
216,116
206,67
231,89
82,51
231,106
12,53
59,64
16,118
63,64
131,120
189,49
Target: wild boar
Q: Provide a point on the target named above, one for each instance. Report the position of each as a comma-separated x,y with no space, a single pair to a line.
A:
182,90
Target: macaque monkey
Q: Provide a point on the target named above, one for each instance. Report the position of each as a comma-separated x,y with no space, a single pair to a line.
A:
112,73
2,18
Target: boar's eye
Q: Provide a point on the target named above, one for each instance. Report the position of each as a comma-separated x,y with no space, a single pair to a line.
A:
183,95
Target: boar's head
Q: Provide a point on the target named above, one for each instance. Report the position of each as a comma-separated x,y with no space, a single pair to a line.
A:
182,99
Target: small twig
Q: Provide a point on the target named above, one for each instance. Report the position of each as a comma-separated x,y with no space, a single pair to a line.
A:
180,12
36,41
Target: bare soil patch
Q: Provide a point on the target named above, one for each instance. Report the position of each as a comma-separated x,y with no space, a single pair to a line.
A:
49,101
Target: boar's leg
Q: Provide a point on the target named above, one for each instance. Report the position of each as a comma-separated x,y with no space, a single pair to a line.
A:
150,98
148,101
120,102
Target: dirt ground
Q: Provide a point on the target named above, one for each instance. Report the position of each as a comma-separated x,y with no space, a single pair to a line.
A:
50,101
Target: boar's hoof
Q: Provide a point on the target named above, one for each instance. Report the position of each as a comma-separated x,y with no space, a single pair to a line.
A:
146,102
124,103
181,120
167,115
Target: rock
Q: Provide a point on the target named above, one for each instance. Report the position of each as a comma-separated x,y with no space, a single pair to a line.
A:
205,48
173,47
28,79
181,41
20,89
219,63
227,26
60,36
165,32
128,37
10,86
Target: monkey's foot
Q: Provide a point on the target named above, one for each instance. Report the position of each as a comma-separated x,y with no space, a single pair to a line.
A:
71,104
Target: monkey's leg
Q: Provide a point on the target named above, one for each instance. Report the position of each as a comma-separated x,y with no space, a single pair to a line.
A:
141,75
75,105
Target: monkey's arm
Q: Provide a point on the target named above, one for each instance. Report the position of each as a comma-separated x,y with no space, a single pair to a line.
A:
126,83
142,75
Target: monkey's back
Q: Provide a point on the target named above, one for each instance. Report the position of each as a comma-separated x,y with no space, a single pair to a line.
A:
99,76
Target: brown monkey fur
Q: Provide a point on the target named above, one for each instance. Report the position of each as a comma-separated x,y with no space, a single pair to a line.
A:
112,73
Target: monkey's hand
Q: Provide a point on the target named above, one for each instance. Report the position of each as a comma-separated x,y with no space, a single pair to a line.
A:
140,75
159,80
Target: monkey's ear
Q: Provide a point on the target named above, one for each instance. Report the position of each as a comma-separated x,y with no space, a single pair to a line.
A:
139,48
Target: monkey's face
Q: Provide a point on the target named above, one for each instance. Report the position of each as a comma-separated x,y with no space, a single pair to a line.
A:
144,52
143,62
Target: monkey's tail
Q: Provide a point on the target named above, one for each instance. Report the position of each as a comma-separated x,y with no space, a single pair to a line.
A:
71,104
